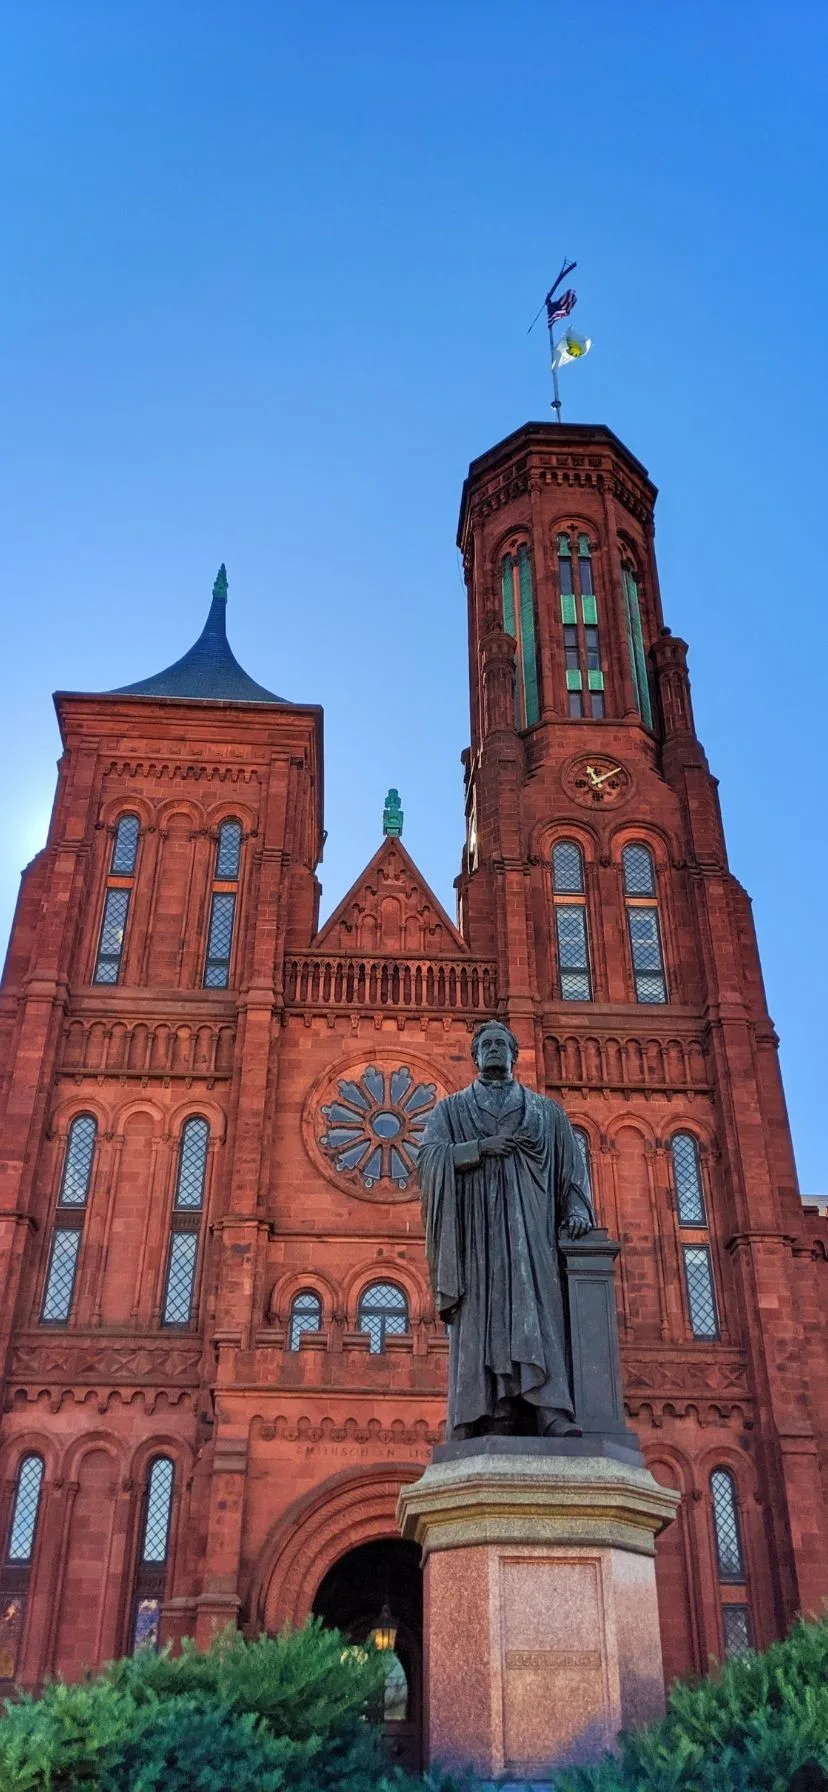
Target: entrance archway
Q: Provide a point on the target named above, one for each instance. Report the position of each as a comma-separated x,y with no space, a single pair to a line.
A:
378,1587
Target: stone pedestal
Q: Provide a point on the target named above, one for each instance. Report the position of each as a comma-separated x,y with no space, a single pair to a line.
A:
541,1625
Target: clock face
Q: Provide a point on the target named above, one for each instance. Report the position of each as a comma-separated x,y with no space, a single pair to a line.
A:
597,781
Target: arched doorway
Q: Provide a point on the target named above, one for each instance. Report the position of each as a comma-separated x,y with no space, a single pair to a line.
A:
377,1588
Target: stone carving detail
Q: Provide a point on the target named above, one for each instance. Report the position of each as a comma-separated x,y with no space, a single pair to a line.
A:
98,1360
184,771
689,1375
155,1049
391,909
348,1431
624,1063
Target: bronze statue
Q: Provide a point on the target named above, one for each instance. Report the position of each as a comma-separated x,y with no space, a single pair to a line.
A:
501,1177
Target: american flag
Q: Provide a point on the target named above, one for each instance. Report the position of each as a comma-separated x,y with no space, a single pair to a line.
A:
560,307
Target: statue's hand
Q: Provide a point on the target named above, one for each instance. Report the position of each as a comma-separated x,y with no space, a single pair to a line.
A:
576,1224
499,1146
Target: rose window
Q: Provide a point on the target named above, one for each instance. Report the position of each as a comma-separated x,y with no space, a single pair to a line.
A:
375,1127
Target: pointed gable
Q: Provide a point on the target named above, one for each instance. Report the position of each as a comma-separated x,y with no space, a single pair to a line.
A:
390,908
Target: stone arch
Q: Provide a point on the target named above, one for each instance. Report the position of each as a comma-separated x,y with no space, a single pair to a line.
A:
385,1269
353,1507
298,1281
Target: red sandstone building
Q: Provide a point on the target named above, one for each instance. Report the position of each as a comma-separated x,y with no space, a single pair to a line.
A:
220,1354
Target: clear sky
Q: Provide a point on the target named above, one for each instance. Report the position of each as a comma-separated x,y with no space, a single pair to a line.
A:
268,271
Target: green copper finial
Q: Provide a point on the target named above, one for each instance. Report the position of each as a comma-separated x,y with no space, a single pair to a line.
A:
392,815
220,586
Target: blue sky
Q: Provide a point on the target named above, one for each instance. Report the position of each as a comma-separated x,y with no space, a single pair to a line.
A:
267,276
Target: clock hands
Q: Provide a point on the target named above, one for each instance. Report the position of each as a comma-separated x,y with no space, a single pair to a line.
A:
597,778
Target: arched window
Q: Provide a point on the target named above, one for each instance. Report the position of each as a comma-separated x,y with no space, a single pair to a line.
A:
579,615
737,1626
73,1195
519,621
687,1178
186,1223
119,887
643,924
223,901
383,1312
571,931
17,1562
151,1574
635,644
305,1316
582,1142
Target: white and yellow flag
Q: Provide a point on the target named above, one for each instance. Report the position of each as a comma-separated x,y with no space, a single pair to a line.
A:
571,347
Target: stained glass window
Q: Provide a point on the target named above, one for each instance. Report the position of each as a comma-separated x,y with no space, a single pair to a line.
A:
701,1298
220,940
147,1625
12,1606
113,928
737,1630
125,846
519,621
305,1316
726,1526
228,852
383,1311
181,1264
687,1175
26,1505
192,1165
60,1276
77,1167
152,1560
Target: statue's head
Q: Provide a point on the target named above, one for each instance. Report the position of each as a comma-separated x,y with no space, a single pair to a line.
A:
494,1048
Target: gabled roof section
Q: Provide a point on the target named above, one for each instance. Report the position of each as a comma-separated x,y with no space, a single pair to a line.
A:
209,671
390,908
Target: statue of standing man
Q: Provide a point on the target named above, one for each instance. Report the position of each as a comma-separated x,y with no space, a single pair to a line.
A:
501,1177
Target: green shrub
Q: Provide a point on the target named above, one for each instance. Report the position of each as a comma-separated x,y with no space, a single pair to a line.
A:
286,1712
758,1723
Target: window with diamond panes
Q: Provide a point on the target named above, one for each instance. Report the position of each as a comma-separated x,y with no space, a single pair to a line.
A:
125,846
582,1143
60,1275
113,929
228,852
579,615
701,1296
14,1575
736,1630
729,1560
220,940
383,1312
519,622
643,924
305,1316
574,982
152,1560
77,1165
192,1165
687,1177
635,645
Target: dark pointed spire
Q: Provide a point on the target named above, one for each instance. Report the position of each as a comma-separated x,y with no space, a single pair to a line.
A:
209,670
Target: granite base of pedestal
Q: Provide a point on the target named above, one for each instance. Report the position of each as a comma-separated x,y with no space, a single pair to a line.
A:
540,1618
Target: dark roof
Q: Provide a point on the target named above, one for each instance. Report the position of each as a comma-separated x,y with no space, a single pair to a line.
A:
209,670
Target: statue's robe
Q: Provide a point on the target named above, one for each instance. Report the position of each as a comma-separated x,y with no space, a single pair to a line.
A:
491,1241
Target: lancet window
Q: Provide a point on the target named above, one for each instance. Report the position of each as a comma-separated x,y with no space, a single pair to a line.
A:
579,616
519,621
582,1142
17,1561
643,926
737,1626
188,1207
117,895
73,1195
223,900
687,1179
571,928
635,644
151,1571
305,1316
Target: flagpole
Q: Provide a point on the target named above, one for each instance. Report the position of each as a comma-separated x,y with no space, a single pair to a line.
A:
556,401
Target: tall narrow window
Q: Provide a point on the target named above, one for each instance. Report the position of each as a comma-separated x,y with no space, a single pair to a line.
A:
687,1178
569,893
643,924
737,1625
73,1195
151,1573
519,621
383,1312
186,1223
579,615
701,1293
223,900
117,895
582,1143
635,645
17,1562
305,1316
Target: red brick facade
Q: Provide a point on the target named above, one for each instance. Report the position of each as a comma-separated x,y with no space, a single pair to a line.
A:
286,1458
